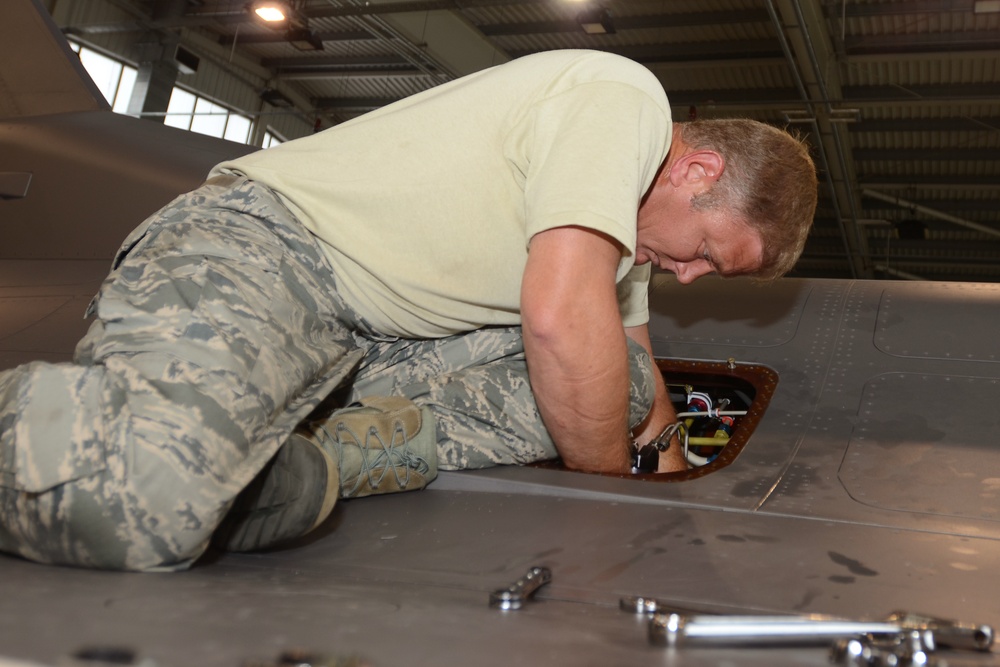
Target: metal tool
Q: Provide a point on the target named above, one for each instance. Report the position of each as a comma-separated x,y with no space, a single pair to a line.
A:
910,649
903,639
805,630
515,595
107,656
302,658
947,633
641,605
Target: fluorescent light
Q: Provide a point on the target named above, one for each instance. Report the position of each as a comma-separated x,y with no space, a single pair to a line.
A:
986,6
271,11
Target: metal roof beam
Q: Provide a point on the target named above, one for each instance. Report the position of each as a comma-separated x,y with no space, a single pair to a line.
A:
372,8
668,66
439,39
274,37
649,54
332,63
758,98
937,154
351,104
196,19
933,212
855,10
305,74
930,249
955,92
692,19
931,181
949,270
852,96
951,124
968,40
858,59
956,205
803,32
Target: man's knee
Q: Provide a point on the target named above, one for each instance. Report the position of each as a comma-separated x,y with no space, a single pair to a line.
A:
77,488
85,523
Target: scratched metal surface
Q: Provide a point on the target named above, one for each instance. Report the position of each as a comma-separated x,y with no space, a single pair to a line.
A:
867,487
405,580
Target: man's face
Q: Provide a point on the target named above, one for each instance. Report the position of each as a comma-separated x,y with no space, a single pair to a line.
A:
693,242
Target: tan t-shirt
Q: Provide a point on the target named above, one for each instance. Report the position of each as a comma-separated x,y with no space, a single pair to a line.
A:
426,207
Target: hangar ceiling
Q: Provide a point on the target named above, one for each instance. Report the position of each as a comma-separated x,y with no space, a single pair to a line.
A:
899,99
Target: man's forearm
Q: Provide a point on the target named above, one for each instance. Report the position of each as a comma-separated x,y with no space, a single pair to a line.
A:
582,393
575,346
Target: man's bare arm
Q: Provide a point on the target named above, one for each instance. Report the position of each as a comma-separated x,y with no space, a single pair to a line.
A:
662,413
575,346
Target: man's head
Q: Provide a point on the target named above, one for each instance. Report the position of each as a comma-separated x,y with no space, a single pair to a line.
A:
733,196
769,181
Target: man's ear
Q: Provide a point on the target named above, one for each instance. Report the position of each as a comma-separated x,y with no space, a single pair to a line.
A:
699,169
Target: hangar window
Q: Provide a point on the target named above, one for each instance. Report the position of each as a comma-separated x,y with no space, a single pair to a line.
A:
271,139
187,111
114,79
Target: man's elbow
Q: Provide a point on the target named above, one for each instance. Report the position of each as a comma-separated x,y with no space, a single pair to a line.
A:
545,324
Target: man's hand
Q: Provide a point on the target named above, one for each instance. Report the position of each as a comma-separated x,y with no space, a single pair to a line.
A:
575,346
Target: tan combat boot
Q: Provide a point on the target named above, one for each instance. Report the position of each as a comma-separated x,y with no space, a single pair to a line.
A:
382,444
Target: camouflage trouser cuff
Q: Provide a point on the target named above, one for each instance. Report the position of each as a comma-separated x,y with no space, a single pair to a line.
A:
642,387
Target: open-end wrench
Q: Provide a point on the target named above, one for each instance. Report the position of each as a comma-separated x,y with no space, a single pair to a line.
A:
515,595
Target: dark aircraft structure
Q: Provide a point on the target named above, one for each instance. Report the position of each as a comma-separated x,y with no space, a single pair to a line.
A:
842,436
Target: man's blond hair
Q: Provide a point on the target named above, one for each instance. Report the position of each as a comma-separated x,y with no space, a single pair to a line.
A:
769,182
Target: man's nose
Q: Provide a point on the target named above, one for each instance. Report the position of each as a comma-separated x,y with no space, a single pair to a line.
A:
688,272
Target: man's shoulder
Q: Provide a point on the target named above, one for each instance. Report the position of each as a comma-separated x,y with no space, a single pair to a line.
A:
582,66
569,55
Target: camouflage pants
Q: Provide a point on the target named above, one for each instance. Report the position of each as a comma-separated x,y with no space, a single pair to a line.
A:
217,332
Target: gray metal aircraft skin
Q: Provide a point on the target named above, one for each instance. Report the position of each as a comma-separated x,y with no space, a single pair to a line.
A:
870,483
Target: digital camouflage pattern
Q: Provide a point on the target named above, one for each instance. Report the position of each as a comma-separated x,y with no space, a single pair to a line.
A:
477,386
217,332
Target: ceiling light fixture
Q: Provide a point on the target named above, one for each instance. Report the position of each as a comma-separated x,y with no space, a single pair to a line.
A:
304,40
596,21
986,6
283,15
276,98
274,13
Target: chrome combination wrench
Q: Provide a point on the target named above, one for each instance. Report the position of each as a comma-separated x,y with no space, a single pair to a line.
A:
515,595
902,639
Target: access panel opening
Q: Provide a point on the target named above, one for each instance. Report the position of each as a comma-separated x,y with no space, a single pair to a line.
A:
719,403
